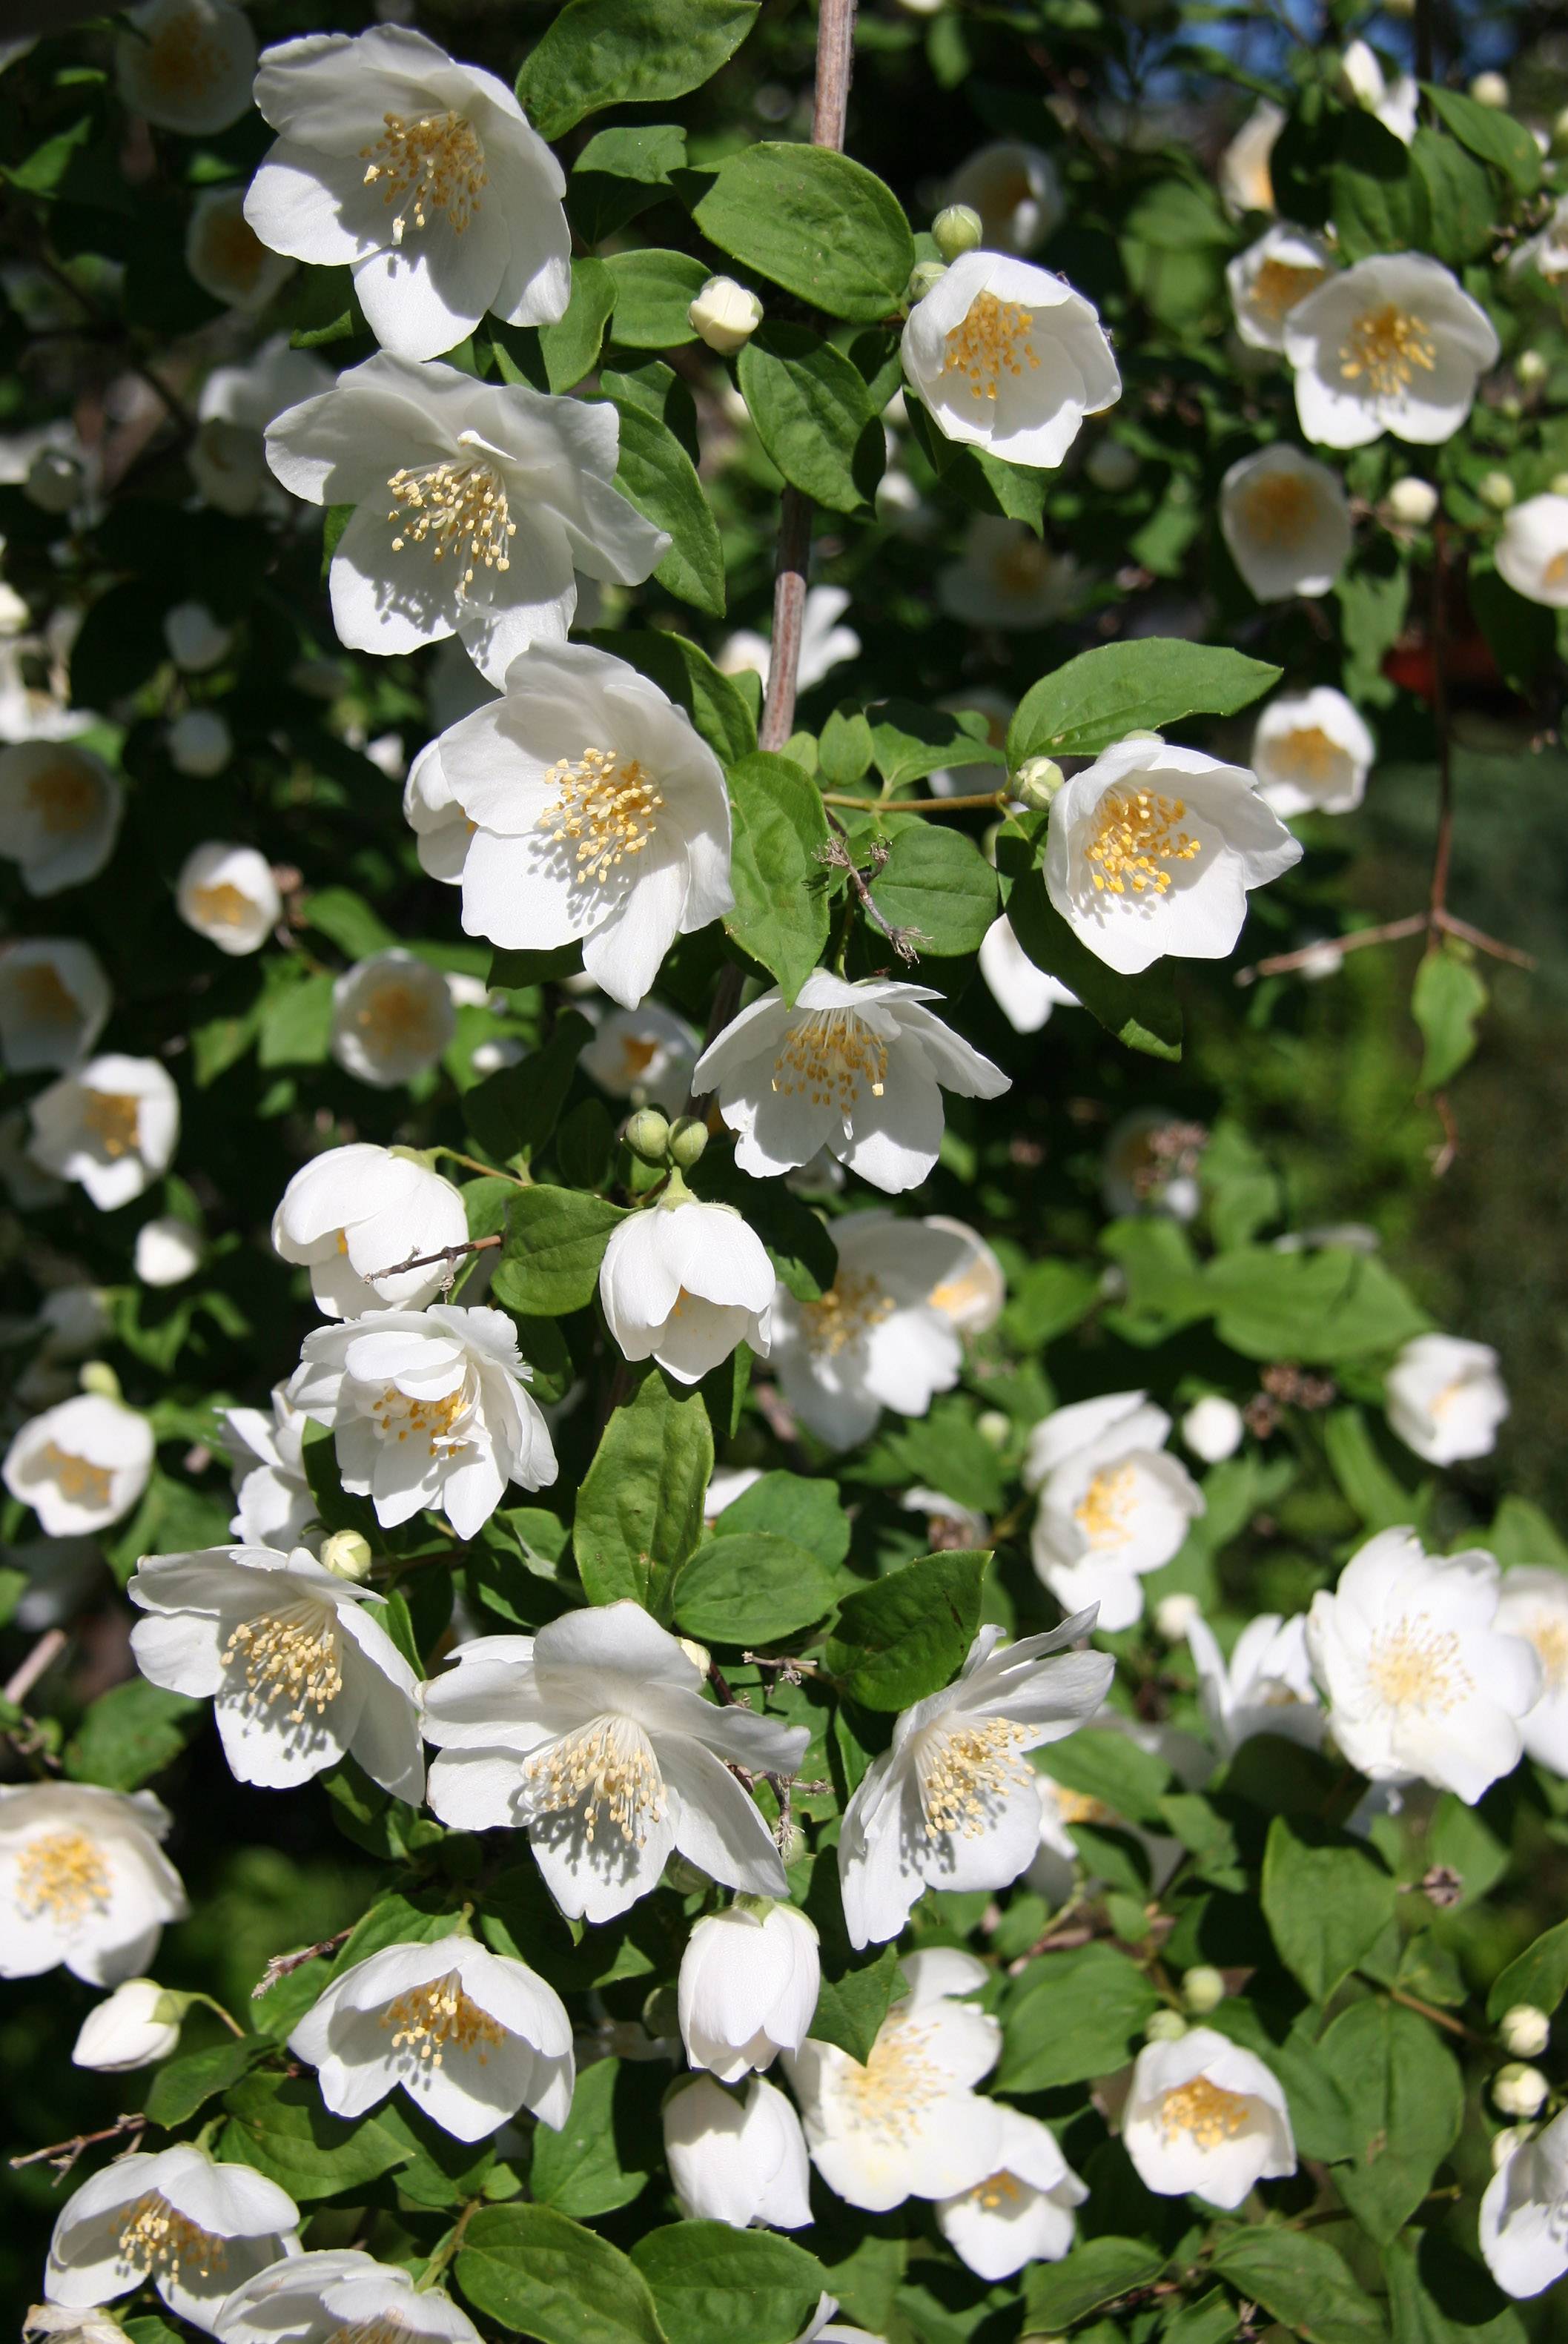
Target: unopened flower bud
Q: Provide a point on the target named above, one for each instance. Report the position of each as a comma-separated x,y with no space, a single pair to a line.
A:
1111,465
140,2023
748,1987
98,1376
1173,1615
1519,2091
1490,90
1411,502
725,315
1212,1428
688,1138
1165,2027
1202,1990
54,481
993,1429
702,1659
1524,2030
1530,368
648,1135
200,744
957,230
923,276
348,1554
1036,781
1496,490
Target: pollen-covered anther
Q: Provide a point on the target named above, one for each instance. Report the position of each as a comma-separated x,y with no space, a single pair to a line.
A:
991,2196
395,1416
396,1017
609,1769
455,507
64,797
854,1304
1384,350
42,993
1308,754
897,2083
64,1874
433,163
289,1656
1135,836
1205,2111
428,2020
604,809
964,1769
827,1057
1416,1666
223,905
154,2236
114,1119
991,339
1279,285
1105,1510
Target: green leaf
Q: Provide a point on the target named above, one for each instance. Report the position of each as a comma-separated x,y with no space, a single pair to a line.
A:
571,347
278,2124
1522,636
349,921
938,883
850,2007
640,1509
1450,995
1142,1012
658,477
1074,2016
542,2276
513,1112
908,742
791,1507
1326,1898
1103,695
781,915
296,1022
752,1588
184,2084
1439,2295
1375,1490
555,1241
1521,1533
813,415
619,174
713,2284
653,291
1538,1975
130,1734
1300,2280
1316,1308
814,222
600,52
602,2156
1378,200
1211,2320
906,1636
1458,195
1056,2294
1406,2098
688,677
1492,134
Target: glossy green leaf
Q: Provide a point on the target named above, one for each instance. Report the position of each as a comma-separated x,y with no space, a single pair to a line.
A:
820,224
1103,695
906,1636
599,53
639,1510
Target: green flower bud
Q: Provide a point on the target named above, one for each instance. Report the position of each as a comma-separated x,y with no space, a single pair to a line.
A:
923,276
648,1135
957,230
98,1376
1496,490
348,1555
1490,90
1165,2027
1530,368
1202,1990
1036,781
993,1429
688,1138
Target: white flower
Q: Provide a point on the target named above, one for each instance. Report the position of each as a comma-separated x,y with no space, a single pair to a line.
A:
1024,993
876,1338
85,2327
227,894
1445,1398
1138,874
1532,551
1008,357
1421,1684
1533,1603
196,2228
422,174
225,255
83,1881
823,643
200,744
908,2124
1207,2117
442,829
645,1054
112,1125
186,65
748,1988
725,315
1113,1504
353,1213
1020,2214
598,812
1394,344
392,1016
228,458
858,1069
682,1283
82,1465
311,2297
1269,277
54,1001
1311,753
276,1505
1018,191
1265,1688
478,503
60,809
1524,2212
196,640
952,1804
594,1736
299,1670
1396,104
1287,521
974,1290
1150,1165
1006,577
947,1523
1212,1428
1245,183
737,2159
137,2025
1412,501
429,1408
471,2037
167,1252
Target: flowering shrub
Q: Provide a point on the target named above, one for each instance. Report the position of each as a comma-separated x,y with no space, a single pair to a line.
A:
719,1630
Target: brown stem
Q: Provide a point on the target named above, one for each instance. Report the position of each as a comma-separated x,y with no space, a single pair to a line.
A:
429,1260
1438,2017
42,1657
63,2154
1482,942
1443,852
281,1964
989,799
1282,963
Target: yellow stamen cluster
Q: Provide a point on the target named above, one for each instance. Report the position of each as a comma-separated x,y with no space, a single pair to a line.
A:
1001,2190
824,1057
397,1016
1384,350
42,993
636,1057
223,907
1205,2111
991,339
1279,285
62,1874
1555,573
897,2083
607,1767
1549,1636
434,164
1077,1806
455,507
65,797
395,1416
852,1305
1106,1508
155,2238
1135,836
114,1119
964,1769
1281,507
289,1656
604,809
76,1477
1417,1666
428,2020
183,59
1308,754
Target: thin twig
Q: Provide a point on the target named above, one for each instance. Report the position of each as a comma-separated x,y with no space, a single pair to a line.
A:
1483,943
427,1260
987,802
1281,964
280,1965
42,1657
63,2154
1438,2017
1443,852
836,854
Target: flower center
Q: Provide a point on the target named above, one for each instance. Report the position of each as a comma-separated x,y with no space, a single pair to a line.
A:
233,249
1384,348
1279,285
222,906
1077,1806
827,1056
289,1656
1001,2190
64,797
852,1305
64,1874
76,1477
395,1416
1135,834
1023,565
605,803
1550,1637
898,2082
396,1017
1555,573
1205,2111
1417,1666
1107,1508
155,2238
43,994
435,163
609,1768
992,339
1309,754
956,1293
1281,507
114,1119
184,58
965,1769
457,507
636,1057
429,2018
